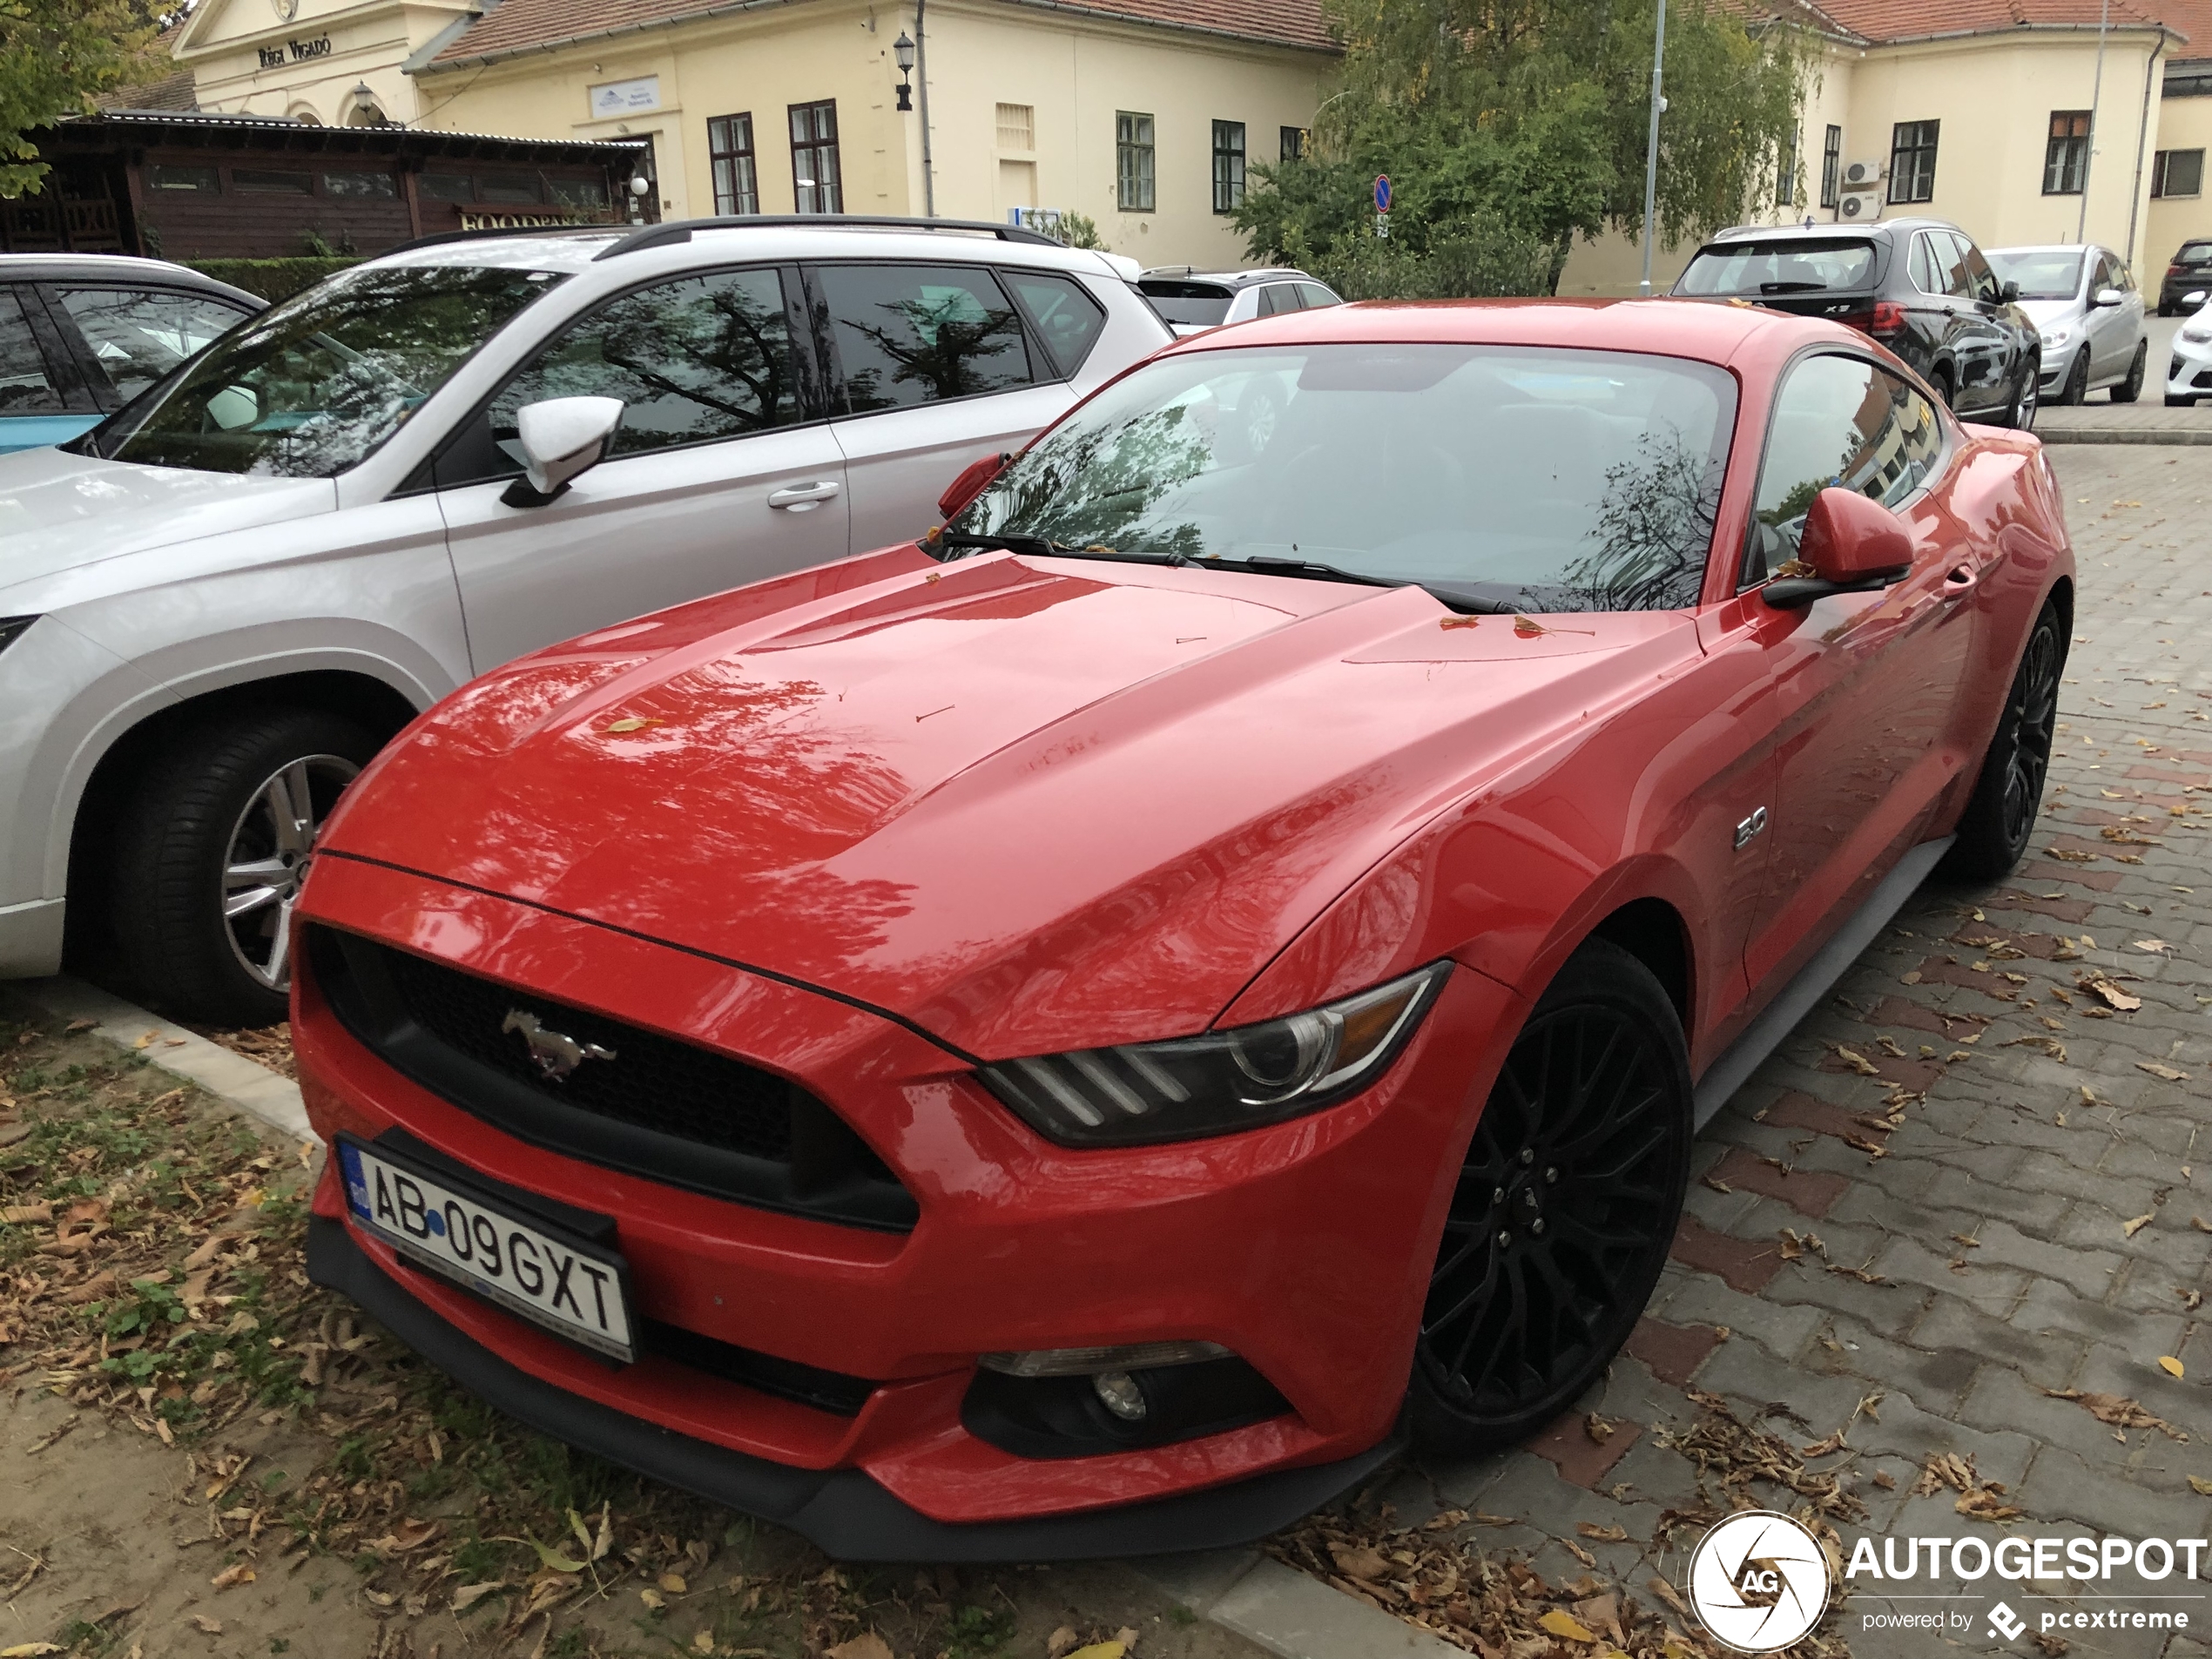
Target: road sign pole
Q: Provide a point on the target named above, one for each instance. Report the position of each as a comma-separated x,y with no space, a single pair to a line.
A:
1651,148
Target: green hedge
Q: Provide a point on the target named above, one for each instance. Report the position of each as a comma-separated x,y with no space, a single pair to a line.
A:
273,279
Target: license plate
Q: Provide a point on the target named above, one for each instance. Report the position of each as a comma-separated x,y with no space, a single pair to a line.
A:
548,1277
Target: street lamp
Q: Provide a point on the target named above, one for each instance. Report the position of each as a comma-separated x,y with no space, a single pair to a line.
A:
366,114
902,53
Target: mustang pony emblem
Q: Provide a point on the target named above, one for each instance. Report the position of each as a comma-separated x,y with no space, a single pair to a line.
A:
553,1053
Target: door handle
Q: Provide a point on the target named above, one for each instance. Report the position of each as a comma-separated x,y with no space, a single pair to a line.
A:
799,498
1961,582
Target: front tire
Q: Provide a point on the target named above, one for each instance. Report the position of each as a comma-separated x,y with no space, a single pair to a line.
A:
1565,1209
2000,819
2131,388
2076,386
211,853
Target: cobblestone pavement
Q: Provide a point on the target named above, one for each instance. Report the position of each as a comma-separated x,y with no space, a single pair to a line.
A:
2004,1176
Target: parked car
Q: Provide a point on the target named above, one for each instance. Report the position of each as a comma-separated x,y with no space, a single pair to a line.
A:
2188,371
216,606
2188,278
2086,306
82,334
991,1039
1918,285
1191,300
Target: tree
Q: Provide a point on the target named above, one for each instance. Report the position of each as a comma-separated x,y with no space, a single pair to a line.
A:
55,55
1510,127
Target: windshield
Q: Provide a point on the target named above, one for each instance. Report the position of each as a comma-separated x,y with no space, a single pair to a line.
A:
2194,253
2053,275
1203,304
1500,478
311,387
1799,265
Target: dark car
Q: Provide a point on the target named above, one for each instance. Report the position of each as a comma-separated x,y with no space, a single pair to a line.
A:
1919,286
81,334
2188,277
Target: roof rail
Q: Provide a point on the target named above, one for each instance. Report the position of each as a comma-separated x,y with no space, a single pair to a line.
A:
494,231
674,231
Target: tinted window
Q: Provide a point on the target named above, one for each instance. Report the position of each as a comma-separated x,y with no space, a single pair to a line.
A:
1948,253
918,334
140,337
695,360
25,387
310,387
2052,274
1068,318
1501,478
1799,265
1278,296
1202,305
1314,294
1922,267
2194,253
1981,281
1838,421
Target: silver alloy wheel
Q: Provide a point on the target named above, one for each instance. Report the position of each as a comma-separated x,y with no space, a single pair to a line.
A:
267,858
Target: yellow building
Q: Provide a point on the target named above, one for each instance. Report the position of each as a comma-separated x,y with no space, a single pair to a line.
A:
326,62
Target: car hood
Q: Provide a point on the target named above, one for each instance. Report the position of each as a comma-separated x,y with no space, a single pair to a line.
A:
58,510
2049,314
1025,805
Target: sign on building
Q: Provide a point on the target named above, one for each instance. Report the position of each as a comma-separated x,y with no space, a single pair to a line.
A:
611,99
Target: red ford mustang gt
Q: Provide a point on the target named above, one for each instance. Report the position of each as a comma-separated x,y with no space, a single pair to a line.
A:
1080,1034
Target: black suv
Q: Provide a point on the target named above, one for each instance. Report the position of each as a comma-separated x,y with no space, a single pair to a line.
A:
2189,273
1919,286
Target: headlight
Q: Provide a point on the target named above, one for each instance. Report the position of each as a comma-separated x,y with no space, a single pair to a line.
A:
1221,1081
12,629
2055,337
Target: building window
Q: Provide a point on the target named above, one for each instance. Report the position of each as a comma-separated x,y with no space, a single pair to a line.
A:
447,187
1133,179
1832,167
1228,167
2194,80
816,184
1293,143
1017,125
2177,173
1786,171
199,178
1913,159
2066,157
729,150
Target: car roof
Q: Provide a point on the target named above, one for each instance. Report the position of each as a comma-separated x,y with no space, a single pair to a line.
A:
101,267
1876,227
2050,247
1227,278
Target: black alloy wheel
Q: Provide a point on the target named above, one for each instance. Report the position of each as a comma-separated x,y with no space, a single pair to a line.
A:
2076,386
2131,388
1564,1211
2000,815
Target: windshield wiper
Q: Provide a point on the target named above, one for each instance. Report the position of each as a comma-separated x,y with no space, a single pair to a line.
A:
1273,564
1045,547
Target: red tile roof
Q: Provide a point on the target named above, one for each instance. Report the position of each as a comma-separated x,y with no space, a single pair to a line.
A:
1886,20
508,28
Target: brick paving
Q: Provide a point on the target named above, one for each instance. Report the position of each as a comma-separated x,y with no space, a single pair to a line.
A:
1975,1247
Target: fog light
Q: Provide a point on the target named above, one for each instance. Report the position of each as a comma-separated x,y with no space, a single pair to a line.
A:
1118,1393
1087,1362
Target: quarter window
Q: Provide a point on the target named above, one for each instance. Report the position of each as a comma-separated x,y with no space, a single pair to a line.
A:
2177,173
1069,320
138,338
26,387
816,183
1912,161
1838,422
1134,190
1832,167
2065,156
729,148
1228,167
921,333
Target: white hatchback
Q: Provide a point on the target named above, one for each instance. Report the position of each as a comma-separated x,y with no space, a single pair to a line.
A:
215,607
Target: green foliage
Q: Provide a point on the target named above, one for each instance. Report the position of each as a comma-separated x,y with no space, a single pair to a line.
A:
1510,127
273,279
55,56
1080,230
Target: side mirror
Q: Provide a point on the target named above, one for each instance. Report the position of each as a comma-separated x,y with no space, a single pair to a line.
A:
562,438
973,480
2009,294
2108,297
1853,545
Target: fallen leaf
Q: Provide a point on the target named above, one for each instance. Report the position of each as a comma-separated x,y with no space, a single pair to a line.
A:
652,1598
2157,1070
29,1650
2126,1002
2201,1487
2169,1365
1885,1479
1598,1428
555,1560
1097,1650
1858,1063
27,1215
1982,1503
630,722
1567,1627
703,1642
1604,1534
2118,1411
232,1577
868,1645
1061,1642
1449,622
212,1627
672,1583
1365,1562
469,1594
2155,946
2131,1228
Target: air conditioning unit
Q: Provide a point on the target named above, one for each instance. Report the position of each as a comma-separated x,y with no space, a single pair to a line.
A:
1859,204
1862,175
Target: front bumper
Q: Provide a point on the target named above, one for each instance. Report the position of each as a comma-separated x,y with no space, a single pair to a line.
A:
1303,1248
2188,371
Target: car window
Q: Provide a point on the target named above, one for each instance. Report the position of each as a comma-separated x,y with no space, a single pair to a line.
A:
1314,294
311,387
908,334
1785,264
1980,279
1193,305
139,337
1067,317
26,385
1948,256
1921,266
698,358
1837,422
2194,253
1505,478
2053,274
1277,298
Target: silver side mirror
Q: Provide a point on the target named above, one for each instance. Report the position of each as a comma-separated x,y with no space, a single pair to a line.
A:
563,438
2108,297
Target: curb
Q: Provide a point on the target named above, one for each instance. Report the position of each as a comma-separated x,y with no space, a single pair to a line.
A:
2184,437
1275,1607
238,1081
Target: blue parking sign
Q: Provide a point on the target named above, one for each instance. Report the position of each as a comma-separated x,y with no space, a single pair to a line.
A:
1382,192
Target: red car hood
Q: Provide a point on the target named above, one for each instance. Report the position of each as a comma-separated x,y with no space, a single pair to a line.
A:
1028,805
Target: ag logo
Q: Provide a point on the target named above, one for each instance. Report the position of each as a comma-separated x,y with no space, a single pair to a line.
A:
1759,1581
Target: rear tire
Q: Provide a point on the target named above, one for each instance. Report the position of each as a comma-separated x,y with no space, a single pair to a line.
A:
1941,380
2019,414
1587,1136
2131,388
2000,819
2076,385
210,854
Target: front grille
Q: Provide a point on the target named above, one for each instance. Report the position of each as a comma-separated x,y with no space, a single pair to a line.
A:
2173,367
645,1103
2203,377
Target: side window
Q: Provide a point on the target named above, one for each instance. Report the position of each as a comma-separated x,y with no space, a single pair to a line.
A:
1279,297
26,387
1982,282
919,334
1065,315
1951,265
1837,421
138,338
1923,266
699,358
1314,294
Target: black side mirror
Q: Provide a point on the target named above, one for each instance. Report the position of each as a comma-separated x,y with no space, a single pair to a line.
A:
2009,294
